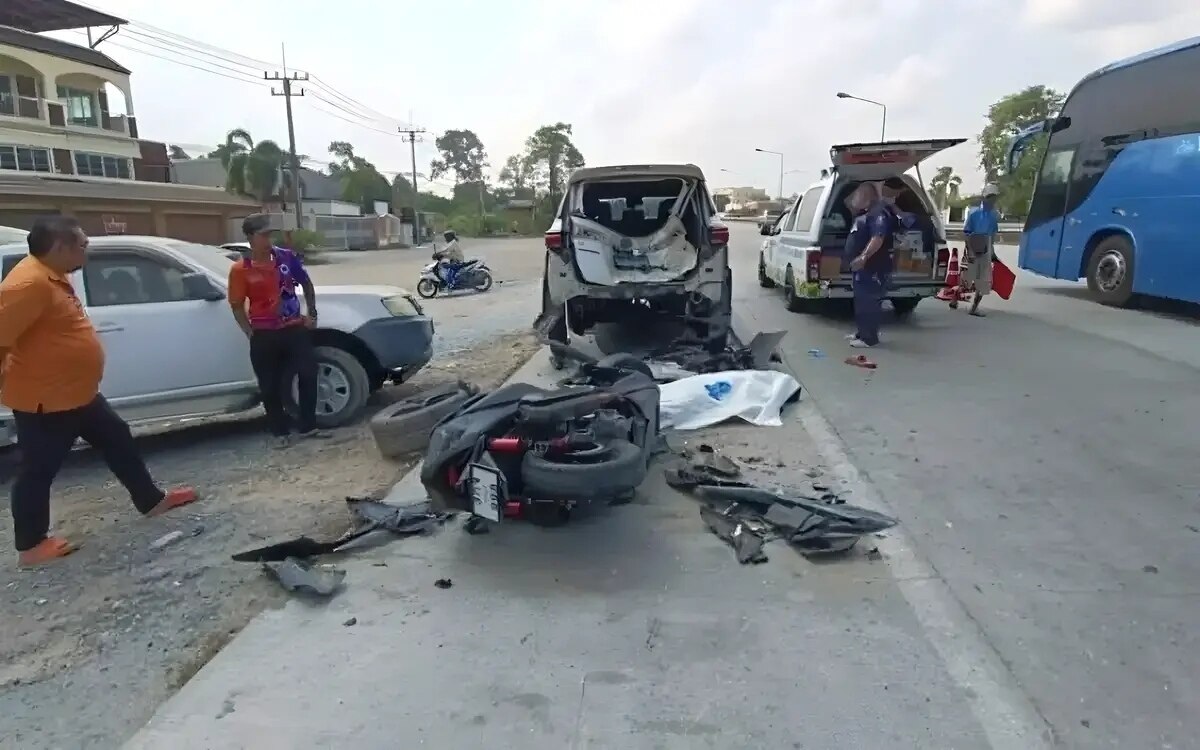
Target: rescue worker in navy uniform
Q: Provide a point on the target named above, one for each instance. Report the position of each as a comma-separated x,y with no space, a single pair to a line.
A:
869,247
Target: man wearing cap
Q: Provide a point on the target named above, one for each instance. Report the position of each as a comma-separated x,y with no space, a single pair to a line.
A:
51,364
981,226
262,294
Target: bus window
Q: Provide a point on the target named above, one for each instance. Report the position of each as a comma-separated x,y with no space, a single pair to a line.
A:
1050,198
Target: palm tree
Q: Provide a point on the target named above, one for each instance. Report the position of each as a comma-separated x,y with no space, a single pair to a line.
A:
944,186
250,168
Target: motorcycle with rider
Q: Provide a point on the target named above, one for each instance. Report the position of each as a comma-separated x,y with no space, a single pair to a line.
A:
450,270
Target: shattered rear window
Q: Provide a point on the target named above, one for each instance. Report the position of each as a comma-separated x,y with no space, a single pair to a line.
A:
633,208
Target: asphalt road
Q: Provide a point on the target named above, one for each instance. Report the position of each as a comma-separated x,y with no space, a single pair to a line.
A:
1043,460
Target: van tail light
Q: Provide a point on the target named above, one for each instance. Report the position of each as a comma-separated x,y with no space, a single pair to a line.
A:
943,263
812,272
554,241
718,234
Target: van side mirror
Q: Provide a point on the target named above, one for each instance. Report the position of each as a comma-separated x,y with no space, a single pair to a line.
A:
199,286
766,230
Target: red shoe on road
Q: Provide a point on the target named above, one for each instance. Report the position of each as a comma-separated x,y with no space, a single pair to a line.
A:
173,499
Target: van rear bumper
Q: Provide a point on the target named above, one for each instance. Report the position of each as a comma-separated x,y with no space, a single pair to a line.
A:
842,289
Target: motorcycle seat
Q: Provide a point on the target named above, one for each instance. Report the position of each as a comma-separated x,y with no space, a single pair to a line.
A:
470,262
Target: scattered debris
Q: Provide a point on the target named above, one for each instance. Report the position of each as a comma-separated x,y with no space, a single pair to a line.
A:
166,540
667,372
476,525
816,354
861,360
874,554
300,576
443,583
747,517
1149,568
350,623
757,355
372,515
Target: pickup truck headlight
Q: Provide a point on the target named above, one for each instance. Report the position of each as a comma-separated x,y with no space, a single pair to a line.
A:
402,305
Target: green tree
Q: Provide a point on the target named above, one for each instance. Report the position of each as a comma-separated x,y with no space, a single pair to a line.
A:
1005,119
551,155
517,177
944,187
362,182
461,153
177,154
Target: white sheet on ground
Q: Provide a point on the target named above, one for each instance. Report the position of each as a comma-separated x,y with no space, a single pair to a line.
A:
756,396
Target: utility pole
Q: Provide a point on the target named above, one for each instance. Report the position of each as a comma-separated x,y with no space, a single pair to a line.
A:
412,135
287,79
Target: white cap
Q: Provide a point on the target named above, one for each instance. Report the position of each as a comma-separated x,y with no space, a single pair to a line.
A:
990,189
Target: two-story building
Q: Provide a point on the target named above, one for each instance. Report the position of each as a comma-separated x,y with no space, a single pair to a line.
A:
69,139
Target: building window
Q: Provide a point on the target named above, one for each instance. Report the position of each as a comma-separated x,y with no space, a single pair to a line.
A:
25,159
80,106
19,96
98,165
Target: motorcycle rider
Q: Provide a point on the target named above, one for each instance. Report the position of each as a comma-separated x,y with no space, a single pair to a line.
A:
450,259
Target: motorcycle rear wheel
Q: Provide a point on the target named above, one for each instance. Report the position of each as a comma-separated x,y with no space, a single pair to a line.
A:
483,281
427,288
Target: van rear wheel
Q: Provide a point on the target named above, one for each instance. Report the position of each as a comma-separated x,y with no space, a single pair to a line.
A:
794,302
763,280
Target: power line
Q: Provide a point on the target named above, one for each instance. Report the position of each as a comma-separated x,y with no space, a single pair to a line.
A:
256,82
358,123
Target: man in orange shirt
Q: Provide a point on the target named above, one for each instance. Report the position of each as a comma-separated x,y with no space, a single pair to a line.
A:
262,295
51,364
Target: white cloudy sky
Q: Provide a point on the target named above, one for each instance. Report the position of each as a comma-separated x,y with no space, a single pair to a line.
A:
705,81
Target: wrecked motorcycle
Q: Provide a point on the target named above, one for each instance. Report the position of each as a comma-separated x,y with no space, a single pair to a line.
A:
474,274
525,451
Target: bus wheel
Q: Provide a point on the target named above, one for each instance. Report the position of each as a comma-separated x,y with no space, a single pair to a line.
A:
1110,271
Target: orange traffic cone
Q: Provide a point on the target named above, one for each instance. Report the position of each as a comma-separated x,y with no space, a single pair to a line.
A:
950,292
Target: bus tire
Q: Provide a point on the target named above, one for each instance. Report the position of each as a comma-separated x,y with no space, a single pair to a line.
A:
1110,271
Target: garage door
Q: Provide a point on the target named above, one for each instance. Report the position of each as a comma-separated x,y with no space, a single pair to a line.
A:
99,223
207,230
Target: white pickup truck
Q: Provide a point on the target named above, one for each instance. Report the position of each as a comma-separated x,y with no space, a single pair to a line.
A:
174,351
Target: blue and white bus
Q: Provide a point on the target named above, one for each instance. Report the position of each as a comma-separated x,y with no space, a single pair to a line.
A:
1117,198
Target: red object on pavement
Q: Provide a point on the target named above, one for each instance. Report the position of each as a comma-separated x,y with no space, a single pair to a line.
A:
513,509
1003,279
951,292
861,361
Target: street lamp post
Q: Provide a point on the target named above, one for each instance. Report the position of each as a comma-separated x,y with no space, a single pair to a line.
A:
883,128
768,151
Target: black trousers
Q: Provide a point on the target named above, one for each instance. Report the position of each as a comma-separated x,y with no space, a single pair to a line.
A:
45,439
277,355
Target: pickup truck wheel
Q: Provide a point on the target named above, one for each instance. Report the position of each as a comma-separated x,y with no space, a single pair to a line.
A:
615,471
904,307
763,280
1110,271
343,387
405,426
794,302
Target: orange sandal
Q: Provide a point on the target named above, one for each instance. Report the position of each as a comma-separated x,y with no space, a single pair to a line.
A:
173,499
861,361
49,549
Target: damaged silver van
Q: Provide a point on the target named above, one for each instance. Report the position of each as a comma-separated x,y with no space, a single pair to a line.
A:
635,241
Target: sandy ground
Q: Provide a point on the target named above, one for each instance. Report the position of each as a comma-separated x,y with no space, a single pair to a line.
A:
90,646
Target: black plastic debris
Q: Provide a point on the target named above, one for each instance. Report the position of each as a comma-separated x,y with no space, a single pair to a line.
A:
757,355
443,583
746,543
371,515
302,577
747,517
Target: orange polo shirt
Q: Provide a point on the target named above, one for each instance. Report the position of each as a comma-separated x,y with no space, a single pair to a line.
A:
55,360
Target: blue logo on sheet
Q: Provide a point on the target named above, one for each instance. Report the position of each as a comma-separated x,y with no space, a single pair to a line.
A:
719,390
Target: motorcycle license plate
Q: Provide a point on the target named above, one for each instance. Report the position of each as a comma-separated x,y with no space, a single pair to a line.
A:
486,487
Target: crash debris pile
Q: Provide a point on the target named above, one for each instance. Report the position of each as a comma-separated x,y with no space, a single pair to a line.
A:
747,517
404,426
290,561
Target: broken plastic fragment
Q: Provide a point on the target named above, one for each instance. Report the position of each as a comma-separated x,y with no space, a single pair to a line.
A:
296,575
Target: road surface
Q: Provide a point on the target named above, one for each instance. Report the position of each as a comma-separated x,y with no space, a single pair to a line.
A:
1044,461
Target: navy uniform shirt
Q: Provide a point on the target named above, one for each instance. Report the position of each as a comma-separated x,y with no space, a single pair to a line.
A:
877,221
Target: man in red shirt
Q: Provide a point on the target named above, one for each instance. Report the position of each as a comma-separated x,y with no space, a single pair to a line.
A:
262,293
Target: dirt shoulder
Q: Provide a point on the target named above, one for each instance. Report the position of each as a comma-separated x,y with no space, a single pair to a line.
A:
90,646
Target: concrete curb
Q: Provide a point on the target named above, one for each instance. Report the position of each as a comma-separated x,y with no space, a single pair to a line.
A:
1004,711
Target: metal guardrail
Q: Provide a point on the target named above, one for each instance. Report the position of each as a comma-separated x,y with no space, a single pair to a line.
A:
1010,233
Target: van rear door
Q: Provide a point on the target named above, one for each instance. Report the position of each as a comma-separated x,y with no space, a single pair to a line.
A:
879,161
